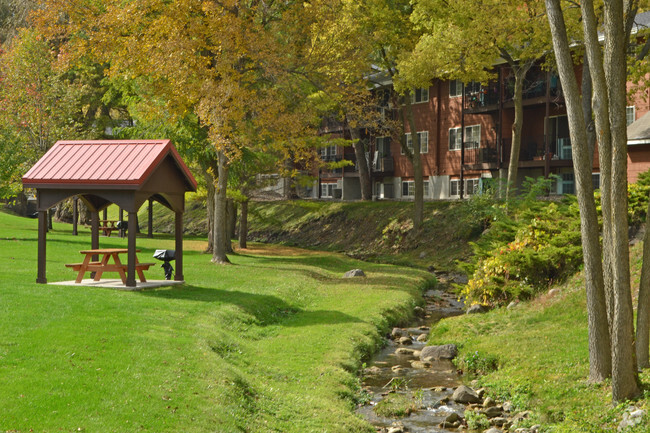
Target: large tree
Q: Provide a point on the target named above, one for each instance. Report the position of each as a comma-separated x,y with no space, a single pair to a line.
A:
607,65
463,40
234,65
360,41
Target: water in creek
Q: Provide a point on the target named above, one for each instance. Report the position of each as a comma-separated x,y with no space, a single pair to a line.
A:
432,385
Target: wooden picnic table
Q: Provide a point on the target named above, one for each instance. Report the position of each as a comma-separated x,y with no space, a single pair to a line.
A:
103,265
107,226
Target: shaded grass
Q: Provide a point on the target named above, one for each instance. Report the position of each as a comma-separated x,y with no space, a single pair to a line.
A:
543,360
271,343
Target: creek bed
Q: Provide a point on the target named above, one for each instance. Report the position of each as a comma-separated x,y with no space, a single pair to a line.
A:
430,388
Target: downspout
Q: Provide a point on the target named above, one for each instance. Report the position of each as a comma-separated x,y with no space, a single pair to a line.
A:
439,129
462,144
500,121
547,144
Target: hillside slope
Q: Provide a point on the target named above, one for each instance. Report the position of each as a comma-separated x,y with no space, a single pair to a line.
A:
374,231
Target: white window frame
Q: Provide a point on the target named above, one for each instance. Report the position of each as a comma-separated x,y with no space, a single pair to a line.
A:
456,144
455,88
630,114
475,182
453,182
411,188
424,142
327,190
422,97
381,142
328,151
563,181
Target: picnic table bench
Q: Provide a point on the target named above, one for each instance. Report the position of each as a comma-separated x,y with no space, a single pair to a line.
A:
107,226
103,265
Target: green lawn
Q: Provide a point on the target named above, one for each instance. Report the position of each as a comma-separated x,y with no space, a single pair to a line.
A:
269,344
543,361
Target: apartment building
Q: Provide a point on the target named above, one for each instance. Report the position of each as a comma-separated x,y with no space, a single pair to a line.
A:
465,131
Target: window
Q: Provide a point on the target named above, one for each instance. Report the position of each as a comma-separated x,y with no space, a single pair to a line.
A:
595,179
382,145
473,87
472,137
327,190
408,188
630,113
472,186
424,142
567,184
454,187
454,139
564,148
455,88
328,153
420,95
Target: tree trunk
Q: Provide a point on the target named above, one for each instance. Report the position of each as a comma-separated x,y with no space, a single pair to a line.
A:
362,164
289,192
243,225
416,161
643,309
625,381
517,125
220,219
600,104
231,222
210,205
587,91
599,338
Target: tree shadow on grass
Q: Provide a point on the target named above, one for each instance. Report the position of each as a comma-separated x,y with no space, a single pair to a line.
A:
266,309
332,264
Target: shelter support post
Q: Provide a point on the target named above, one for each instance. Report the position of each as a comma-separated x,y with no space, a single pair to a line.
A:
42,238
121,222
178,233
94,232
150,220
130,267
75,215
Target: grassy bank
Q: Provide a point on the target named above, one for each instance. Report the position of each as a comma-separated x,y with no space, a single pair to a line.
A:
270,343
541,351
375,231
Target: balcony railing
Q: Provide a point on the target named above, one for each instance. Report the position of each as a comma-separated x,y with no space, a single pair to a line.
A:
532,149
383,165
479,95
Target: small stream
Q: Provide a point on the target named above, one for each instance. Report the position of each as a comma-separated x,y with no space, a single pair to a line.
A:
397,369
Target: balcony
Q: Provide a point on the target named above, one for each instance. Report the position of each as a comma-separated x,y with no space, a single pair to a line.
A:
534,88
479,97
331,125
531,153
383,165
339,171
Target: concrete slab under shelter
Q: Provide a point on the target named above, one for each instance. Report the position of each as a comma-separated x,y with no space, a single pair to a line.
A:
118,285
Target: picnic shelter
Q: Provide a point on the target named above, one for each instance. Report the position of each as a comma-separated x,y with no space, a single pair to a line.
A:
125,172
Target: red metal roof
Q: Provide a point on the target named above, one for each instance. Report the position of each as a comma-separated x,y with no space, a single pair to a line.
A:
108,162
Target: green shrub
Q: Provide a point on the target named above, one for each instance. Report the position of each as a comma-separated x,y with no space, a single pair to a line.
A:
476,420
396,406
546,248
477,363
